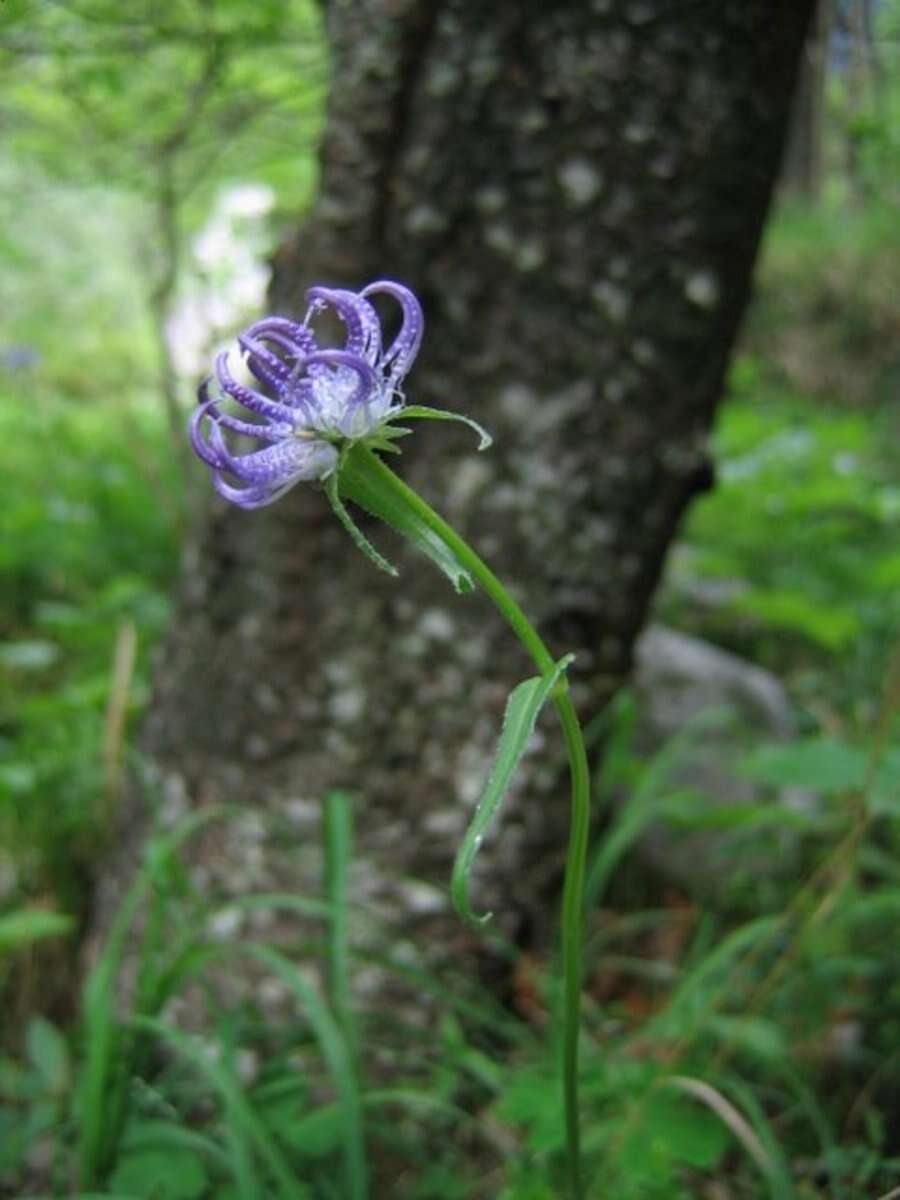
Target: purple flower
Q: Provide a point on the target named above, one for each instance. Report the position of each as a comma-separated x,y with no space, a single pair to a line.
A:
307,401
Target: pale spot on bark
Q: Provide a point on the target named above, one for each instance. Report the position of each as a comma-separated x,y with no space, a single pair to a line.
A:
612,300
702,289
580,181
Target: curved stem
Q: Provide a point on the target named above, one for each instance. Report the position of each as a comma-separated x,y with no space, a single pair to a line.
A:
573,887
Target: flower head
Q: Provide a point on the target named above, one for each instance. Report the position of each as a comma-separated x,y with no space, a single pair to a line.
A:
307,401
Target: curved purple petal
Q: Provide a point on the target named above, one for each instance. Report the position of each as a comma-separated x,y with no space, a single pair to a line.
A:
345,358
266,366
256,345
249,497
296,341
213,450
201,447
359,317
250,398
301,336
266,431
283,378
288,460
399,355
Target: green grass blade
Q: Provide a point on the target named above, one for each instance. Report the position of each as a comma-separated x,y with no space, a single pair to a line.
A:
101,1093
338,1059
699,991
778,1175
243,1167
476,1006
522,708
338,836
245,1126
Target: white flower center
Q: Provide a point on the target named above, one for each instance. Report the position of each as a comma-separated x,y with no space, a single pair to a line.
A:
338,410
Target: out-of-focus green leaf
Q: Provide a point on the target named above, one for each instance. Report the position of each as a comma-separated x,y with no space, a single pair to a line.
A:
314,1134
48,1054
26,925
668,1129
831,625
170,1174
821,764
531,1098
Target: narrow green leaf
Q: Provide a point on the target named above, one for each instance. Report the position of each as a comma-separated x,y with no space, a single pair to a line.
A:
422,412
48,1053
101,1097
522,708
26,925
699,988
357,482
338,1058
241,1115
359,539
335,1051
338,837
774,1164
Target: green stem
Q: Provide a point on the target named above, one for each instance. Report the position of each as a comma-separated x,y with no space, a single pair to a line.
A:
573,888
337,837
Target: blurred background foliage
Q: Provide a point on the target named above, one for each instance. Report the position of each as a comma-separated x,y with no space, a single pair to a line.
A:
152,157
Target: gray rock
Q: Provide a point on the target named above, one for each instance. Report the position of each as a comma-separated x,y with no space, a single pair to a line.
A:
677,677
700,709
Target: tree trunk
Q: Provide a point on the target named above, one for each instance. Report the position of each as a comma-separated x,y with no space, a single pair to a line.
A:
803,172
576,192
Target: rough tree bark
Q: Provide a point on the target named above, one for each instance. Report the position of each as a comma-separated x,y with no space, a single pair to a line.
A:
576,191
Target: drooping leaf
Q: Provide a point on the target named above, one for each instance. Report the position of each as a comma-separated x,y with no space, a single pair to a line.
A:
522,708
359,539
363,486
423,412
